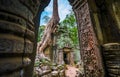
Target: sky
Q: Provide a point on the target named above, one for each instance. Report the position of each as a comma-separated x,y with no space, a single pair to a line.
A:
63,8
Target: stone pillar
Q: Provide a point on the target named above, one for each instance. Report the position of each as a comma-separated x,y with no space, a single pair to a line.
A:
60,56
71,58
68,57
18,35
90,52
106,15
112,59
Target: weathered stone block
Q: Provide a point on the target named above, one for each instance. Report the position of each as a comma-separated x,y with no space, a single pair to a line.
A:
112,59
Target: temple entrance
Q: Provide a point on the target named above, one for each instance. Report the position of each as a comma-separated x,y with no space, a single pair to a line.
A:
98,48
66,58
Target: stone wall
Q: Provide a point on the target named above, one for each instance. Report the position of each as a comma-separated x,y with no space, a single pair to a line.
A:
106,23
18,32
89,50
112,59
98,24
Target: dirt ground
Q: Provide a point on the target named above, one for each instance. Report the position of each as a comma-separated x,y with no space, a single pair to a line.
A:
71,71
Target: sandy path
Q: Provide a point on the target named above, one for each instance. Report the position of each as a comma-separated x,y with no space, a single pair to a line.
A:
71,71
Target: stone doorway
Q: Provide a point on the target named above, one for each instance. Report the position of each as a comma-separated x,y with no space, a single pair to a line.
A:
65,58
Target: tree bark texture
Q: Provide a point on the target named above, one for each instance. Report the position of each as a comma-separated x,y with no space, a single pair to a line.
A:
51,27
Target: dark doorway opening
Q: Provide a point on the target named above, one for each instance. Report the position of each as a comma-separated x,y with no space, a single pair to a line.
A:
65,58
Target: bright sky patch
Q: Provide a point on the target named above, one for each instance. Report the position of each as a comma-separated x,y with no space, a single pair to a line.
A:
63,8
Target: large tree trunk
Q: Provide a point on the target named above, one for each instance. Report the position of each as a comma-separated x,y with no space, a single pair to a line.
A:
50,29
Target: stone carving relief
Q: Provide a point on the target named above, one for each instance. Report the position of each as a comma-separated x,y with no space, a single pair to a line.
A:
14,46
89,50
5,45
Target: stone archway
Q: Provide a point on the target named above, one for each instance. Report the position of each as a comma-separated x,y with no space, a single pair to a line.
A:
18,33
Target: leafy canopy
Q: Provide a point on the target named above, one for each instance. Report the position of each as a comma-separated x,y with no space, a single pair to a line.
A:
67,32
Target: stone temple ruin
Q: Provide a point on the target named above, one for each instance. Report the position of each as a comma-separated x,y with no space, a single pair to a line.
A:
98,23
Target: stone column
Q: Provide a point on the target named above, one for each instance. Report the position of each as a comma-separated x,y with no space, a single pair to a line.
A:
60,56
106,15
71,58
18,35
90,51
111,56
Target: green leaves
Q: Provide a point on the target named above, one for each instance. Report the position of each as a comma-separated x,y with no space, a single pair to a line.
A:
63,41
40,32
67,31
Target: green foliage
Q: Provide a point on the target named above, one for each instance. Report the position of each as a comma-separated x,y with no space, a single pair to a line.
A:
40,32
63,41
43,61
67,32
37,64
